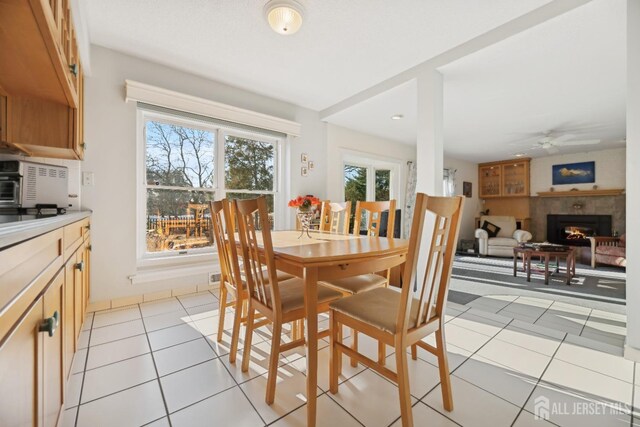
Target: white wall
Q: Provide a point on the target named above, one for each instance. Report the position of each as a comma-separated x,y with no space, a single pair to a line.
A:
466,171
610,170
110,132
341,139
632,349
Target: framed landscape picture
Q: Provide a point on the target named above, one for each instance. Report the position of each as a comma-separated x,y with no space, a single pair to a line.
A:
574,173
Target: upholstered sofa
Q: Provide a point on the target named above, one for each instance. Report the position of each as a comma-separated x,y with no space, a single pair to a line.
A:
507,238
608,250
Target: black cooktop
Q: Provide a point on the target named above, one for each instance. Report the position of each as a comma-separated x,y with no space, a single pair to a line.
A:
8,216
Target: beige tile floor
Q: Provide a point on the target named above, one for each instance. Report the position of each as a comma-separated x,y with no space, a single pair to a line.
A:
159,364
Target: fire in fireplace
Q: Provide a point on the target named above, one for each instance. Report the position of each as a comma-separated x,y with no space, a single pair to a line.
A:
575,230
577,233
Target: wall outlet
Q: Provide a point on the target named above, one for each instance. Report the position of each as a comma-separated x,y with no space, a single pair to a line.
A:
213,278
87,179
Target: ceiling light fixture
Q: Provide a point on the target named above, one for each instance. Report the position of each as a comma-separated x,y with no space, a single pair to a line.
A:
397,117
519,154
284,16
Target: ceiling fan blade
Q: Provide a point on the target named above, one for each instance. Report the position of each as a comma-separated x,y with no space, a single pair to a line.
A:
562,138
552,150
578,142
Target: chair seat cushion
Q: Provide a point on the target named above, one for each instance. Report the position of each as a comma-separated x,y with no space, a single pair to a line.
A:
292,294
379,308
503,241
357,284
611,250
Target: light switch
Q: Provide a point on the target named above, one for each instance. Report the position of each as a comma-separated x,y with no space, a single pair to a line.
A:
87,179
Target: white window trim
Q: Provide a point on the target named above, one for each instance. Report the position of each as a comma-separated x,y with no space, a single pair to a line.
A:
140,92
200,255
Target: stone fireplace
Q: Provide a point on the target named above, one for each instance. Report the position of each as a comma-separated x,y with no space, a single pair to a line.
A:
575,230
542,207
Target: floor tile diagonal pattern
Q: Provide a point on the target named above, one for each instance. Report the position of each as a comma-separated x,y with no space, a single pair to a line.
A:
177,374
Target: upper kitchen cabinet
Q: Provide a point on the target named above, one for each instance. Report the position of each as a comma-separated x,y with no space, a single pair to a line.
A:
39,52
41,81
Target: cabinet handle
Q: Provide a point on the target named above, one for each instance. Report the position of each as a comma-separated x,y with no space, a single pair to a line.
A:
80,266
88,226
89,247
83,145
74,69
50,324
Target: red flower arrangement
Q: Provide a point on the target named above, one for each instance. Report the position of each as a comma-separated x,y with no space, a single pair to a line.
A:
304,202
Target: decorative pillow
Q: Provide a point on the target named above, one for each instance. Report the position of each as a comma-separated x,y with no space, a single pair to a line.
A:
490,228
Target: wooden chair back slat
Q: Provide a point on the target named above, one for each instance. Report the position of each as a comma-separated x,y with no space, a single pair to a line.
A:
373,212
249,224
334,214
444,235
223,234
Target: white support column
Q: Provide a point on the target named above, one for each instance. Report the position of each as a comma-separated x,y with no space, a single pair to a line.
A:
430,155
632,347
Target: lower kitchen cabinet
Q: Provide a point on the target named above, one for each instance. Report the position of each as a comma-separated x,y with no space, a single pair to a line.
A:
37,349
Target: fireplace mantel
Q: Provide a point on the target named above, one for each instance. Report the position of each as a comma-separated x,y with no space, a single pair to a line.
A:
581,193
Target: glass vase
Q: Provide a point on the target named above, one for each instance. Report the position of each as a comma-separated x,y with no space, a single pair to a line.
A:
304,217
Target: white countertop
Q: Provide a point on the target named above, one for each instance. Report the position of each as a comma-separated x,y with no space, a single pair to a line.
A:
19,231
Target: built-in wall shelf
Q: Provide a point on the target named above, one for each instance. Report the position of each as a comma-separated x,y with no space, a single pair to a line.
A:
581,193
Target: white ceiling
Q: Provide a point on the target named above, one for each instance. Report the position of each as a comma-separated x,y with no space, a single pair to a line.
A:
344,46
568,74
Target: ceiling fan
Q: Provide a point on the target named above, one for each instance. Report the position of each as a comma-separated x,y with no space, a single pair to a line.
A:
550,142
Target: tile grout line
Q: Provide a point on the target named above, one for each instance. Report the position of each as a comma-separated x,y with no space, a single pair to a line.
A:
229,372
155,367
539,380
585,323
84,370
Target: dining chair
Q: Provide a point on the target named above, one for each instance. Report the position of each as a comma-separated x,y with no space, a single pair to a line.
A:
399,319
366,282
279,302
334,217
232,282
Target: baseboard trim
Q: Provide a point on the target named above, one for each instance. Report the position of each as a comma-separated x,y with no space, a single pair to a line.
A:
152,296
631,353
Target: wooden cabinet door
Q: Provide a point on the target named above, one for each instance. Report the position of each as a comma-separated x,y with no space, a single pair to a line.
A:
78,119
20,365
53,352
490,181
69,315
87,276
78,285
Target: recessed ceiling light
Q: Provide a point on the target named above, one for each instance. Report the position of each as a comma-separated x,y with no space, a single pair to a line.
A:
284,16
397,117
519,154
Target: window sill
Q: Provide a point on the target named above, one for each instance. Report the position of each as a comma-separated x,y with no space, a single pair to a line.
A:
156,269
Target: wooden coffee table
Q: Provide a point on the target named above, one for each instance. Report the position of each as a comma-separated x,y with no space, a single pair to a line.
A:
527,253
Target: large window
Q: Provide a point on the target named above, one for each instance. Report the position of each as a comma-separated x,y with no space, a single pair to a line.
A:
188,164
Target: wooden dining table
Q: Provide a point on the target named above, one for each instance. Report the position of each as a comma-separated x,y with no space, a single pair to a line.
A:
327,256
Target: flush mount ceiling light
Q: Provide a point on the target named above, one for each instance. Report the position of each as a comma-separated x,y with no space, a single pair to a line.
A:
397,117
519,154
284,16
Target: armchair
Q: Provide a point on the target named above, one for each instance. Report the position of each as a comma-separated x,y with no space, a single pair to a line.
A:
608,250
507,238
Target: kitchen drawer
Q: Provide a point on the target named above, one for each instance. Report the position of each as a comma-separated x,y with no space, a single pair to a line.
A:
25,270
74,236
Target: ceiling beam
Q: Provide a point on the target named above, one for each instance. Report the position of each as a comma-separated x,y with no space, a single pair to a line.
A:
496,35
